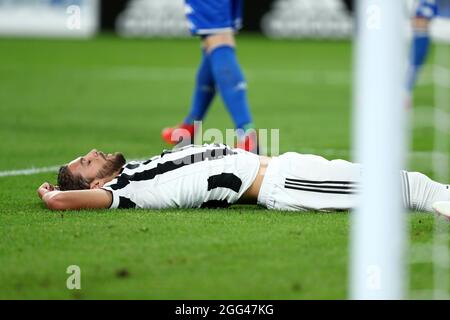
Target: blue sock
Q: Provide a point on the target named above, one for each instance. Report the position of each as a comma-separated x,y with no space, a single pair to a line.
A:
204,91
419,51
231,84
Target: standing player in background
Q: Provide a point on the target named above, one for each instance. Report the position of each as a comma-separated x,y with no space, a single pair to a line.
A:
215,22
425,12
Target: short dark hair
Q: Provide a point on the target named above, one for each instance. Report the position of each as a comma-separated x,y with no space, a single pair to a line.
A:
68,181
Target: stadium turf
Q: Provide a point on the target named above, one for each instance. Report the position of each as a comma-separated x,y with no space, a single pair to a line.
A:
60,99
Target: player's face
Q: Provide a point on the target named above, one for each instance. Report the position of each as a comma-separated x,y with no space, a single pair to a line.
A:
90,164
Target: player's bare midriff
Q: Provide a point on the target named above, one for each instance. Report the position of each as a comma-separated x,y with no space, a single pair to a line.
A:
251,195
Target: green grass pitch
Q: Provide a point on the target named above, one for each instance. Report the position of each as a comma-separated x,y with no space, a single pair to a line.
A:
59,99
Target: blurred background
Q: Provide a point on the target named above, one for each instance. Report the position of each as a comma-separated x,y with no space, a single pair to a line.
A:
88,64
276,18
83,74
296,55
146,18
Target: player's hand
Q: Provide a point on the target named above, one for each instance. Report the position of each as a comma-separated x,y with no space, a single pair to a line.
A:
44,188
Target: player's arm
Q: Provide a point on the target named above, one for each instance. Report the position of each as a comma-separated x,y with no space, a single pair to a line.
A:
73,200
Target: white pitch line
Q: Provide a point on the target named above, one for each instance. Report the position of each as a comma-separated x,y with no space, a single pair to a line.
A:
27,172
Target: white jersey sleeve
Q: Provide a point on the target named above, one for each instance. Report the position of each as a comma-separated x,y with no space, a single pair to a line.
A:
190,177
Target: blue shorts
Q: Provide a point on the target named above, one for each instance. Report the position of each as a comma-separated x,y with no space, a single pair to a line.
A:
430,9
207,17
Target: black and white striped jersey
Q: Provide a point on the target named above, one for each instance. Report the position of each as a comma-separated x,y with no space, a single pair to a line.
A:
212,175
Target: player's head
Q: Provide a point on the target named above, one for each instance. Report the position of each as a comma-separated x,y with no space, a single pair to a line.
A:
90,171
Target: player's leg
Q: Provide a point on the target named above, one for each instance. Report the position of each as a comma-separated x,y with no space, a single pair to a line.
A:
421,192
419,49
216,21
221,47
204,92
301,182
424,13
308,182
231,84
200,15
443,8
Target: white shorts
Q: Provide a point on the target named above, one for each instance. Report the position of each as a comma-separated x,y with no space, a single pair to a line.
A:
300,182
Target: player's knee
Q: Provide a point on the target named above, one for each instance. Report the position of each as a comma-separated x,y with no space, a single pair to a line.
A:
228,77
207,88
420,23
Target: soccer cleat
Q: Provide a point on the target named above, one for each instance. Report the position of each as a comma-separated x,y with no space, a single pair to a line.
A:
249,143
182,133
442,208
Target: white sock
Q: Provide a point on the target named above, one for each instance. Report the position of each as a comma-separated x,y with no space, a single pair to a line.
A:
420,192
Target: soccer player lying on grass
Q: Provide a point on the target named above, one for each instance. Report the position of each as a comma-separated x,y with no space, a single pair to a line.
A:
217,176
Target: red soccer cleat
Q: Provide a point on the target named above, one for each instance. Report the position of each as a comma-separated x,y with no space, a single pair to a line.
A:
181,133
249,143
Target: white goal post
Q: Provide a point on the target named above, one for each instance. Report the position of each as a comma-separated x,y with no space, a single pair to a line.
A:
378,230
